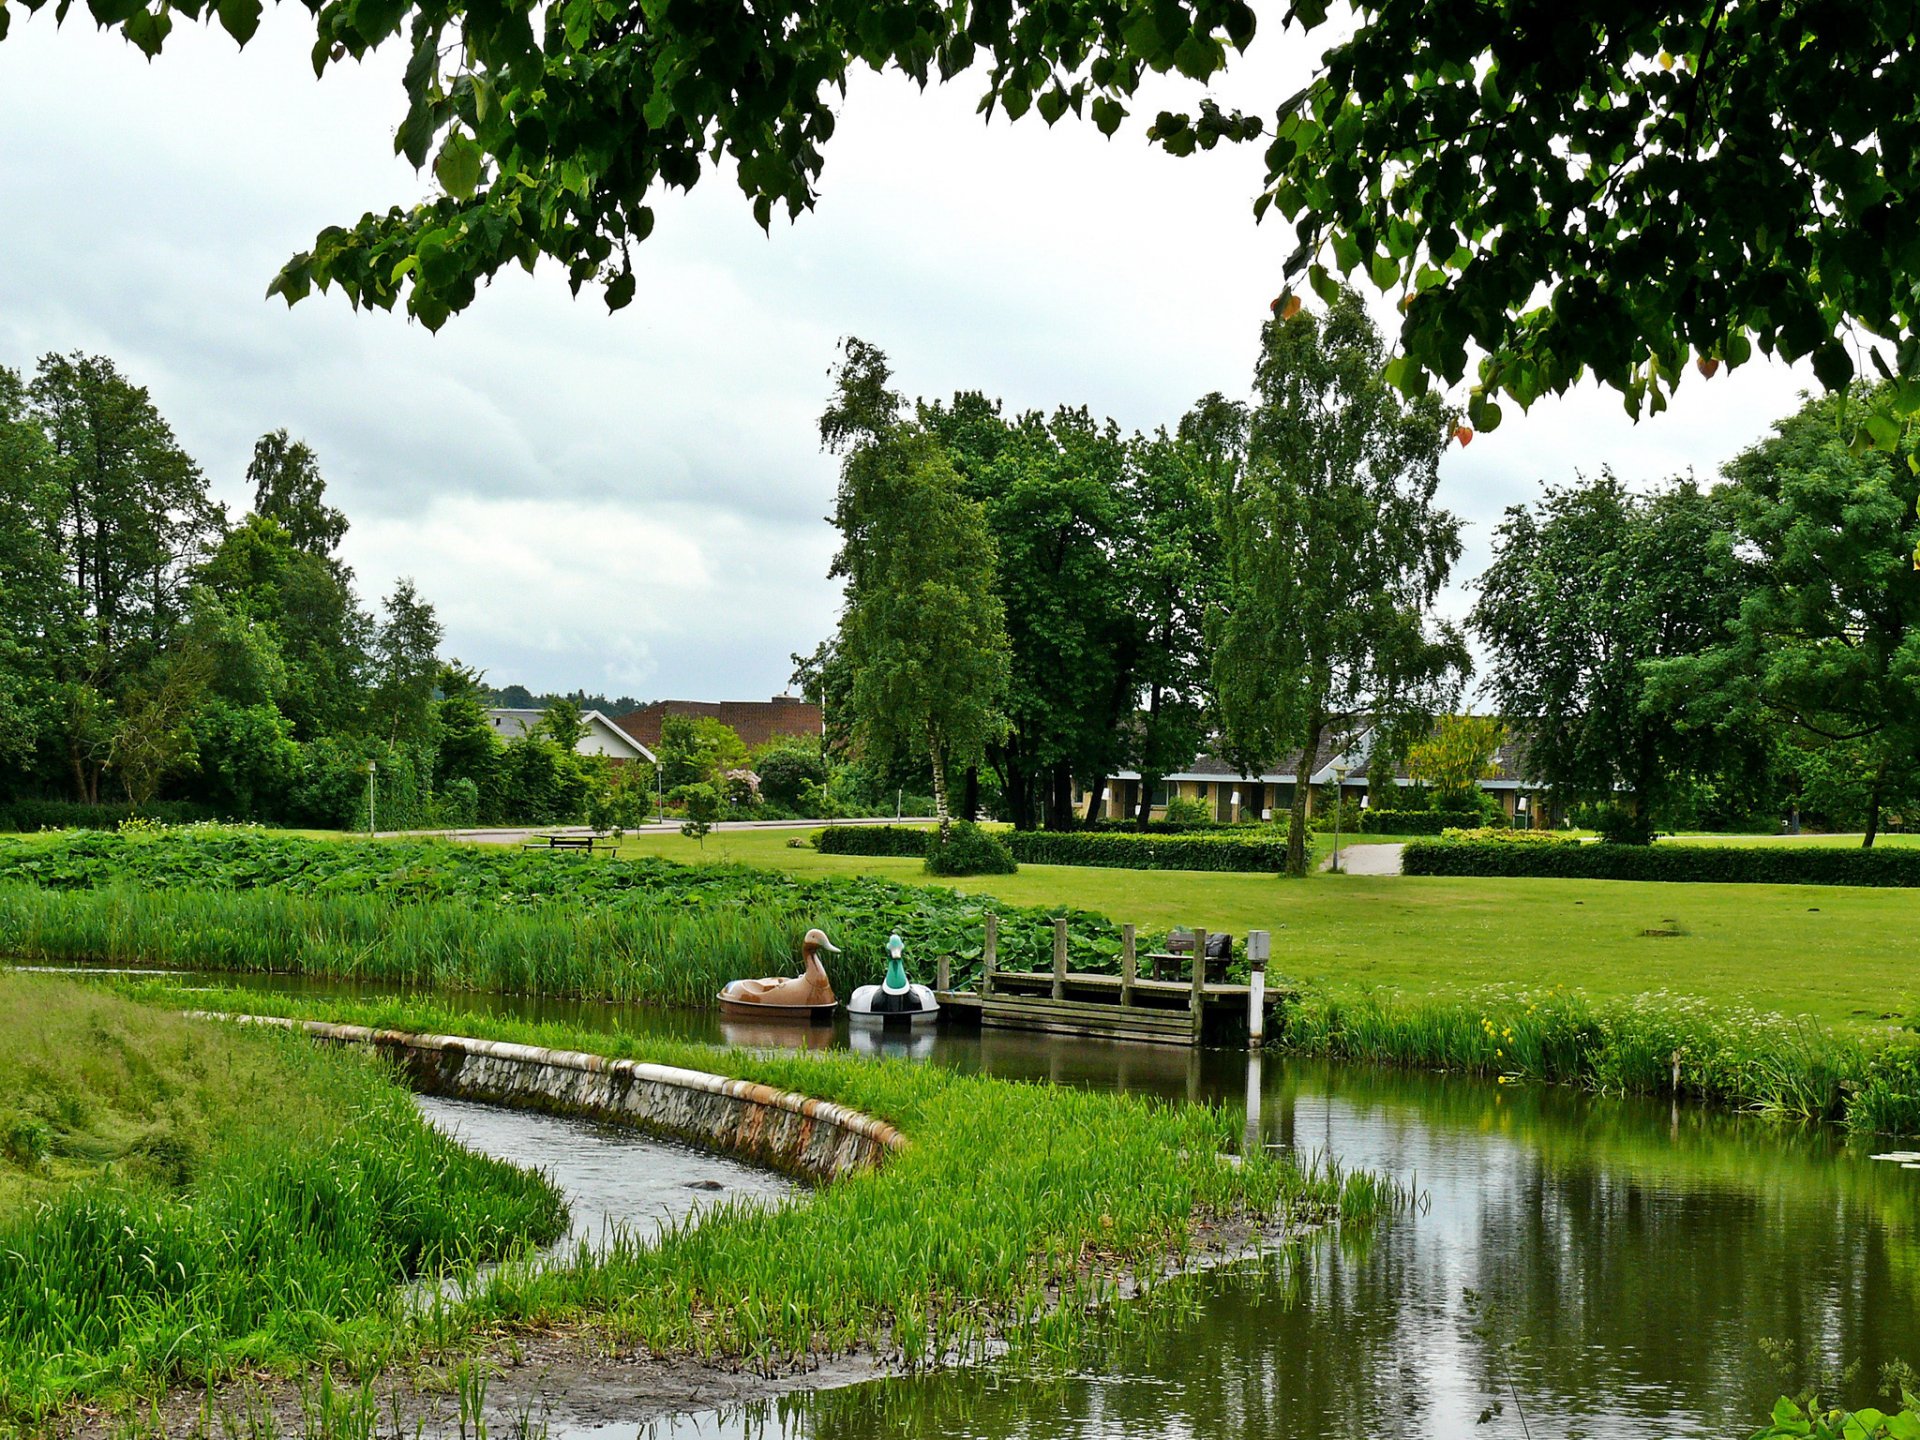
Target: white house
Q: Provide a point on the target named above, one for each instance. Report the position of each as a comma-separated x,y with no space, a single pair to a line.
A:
601,737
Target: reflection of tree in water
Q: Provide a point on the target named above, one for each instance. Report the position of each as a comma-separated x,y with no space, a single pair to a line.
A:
1630,1260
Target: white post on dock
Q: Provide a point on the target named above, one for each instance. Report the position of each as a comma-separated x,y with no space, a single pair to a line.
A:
1259,945
988,953
1253,1143
943,974
1059,959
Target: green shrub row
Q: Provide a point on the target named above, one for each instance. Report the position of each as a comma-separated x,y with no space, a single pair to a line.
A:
1220,849
1693,864
31,815
1418,822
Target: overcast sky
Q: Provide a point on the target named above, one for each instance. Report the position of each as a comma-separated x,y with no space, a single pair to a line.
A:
635,503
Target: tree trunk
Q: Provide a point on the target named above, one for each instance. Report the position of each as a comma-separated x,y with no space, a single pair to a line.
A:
1147,783
939,788
1873,808
1093,806
1060,797
970,794
1019,787
1302,800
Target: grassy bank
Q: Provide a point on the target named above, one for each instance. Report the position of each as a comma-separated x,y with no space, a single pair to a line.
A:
1013,1209
180,1198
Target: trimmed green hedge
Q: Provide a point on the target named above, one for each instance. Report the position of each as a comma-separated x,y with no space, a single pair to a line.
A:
1418,822
30,815
1728,864
1208,850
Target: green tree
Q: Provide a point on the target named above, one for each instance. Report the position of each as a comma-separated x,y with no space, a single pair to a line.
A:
1453,760
701,802
698,750
787,768
405,667
38,607
922,631
1826,640
1610,190
562,723
287,487
469,750
135,516
1333,554
1588,590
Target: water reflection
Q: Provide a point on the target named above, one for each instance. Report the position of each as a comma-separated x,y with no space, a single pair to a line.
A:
1590,1267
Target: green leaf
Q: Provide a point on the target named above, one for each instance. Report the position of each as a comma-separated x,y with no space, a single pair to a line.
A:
458,166
1833,365
1386,274
620,291
239,18
1107,114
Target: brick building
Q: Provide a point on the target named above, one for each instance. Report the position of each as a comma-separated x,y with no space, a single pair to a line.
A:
754,721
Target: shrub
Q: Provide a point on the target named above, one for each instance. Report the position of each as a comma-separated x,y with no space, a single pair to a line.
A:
1509,836
1422,822
787,770
1349,813
903,841
1620,826
963,848
1185,810
1218,848
458,805
29,815
702,804
1693,864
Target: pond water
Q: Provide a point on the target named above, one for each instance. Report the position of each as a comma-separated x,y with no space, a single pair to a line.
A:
1582,1267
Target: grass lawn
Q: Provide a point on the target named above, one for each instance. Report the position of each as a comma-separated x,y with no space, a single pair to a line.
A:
1839,954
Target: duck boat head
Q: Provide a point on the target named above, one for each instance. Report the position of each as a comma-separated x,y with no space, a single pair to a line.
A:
895,1002
807,996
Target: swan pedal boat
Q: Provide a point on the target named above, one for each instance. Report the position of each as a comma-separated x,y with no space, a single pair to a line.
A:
807,997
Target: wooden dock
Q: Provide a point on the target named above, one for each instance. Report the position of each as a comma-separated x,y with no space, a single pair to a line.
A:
1126,1006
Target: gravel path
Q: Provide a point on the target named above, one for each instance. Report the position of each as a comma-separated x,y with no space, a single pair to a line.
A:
1366,859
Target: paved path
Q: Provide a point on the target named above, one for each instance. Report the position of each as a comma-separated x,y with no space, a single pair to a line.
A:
1366,859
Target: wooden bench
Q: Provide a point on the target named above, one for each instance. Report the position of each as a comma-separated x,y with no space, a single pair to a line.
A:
585,844
1168,963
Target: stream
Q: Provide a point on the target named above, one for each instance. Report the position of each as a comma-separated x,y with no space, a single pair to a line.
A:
1584,1266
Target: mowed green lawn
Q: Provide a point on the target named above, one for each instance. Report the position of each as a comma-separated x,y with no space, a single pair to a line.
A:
1842,955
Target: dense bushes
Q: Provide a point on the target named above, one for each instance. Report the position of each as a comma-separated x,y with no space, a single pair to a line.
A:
963,848
31,815
1733,864
1218,848
1420,822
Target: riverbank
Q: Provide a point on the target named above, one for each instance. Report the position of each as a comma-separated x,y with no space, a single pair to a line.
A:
1009,1225
182,1198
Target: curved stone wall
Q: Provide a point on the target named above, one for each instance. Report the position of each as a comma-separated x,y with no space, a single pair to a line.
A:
796,1133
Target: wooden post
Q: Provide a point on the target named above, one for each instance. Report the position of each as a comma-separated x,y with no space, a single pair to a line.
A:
1128,961
988,953
1059,959
1197,996
943,974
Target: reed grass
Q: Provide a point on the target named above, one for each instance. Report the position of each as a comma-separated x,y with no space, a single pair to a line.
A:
199,1198
1005,1226
1654,1044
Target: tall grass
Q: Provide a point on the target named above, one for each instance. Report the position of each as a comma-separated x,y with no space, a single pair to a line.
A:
634,951
206,1198
1006,1223
1656,1044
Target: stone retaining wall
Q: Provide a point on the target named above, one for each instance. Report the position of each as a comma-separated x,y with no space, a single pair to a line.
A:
795,1133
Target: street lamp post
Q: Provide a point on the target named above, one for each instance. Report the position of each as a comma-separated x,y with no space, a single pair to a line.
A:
371,766
1339,804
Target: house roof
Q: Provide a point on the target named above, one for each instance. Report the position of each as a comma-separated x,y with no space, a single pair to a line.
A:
755,721
1355,753
512,723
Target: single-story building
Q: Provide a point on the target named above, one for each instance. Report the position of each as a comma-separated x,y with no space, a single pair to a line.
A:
601,737
1232,796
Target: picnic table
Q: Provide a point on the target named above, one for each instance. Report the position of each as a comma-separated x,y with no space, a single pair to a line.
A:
582,844
1169,962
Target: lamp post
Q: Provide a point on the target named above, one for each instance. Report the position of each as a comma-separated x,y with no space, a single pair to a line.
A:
1339,804
371,767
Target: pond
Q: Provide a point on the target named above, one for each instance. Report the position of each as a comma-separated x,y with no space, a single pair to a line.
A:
1582,1266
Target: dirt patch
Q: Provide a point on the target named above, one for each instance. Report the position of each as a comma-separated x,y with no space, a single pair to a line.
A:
578,1376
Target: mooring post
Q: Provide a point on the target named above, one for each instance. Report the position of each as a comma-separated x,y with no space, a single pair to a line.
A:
988,953
1259,944
943,974
1128,961
1059,959
1197,997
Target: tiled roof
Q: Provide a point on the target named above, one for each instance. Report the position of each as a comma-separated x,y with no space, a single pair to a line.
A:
754,721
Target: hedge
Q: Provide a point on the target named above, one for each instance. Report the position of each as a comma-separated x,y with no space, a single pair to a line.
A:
1693,864
1214,850
29,815
1418,822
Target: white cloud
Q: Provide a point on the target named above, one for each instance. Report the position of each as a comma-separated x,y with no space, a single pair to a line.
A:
638,500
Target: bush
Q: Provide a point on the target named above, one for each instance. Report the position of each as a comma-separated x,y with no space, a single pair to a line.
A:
1691,864
1221,848
963,848
1422,822
791,773
1510,836
458,806
1185,810
1620,826
32,815
1349,813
